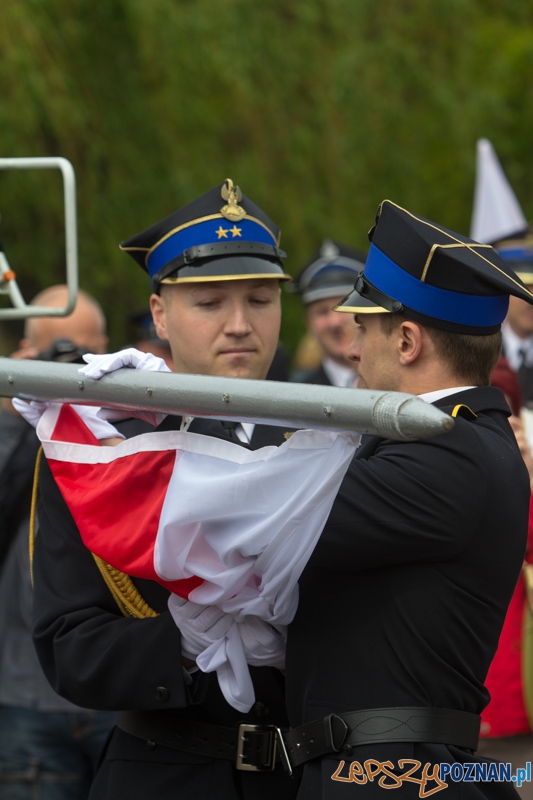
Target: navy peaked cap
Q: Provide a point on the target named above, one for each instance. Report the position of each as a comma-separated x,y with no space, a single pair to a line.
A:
331,272
518,253
433,275
221,235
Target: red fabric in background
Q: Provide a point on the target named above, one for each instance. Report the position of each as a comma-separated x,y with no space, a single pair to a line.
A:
506,714
504,378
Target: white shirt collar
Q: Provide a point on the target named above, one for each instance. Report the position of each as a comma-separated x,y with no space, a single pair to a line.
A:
338,374
245,431
513,344
430,397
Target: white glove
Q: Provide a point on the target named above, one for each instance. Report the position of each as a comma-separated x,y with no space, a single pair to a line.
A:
200,625
32,413
263,644
218,643
99,365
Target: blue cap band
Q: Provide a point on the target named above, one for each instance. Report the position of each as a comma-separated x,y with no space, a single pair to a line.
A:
463,309
336,268
206,232
517,254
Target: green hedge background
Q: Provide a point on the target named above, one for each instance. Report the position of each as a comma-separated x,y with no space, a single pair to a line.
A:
318,109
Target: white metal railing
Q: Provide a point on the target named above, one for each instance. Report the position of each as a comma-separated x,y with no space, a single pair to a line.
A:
8,282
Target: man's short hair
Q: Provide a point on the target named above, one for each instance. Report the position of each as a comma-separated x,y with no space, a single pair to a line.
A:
471,357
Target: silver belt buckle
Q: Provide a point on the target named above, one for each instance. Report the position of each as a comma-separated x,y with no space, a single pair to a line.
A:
246,732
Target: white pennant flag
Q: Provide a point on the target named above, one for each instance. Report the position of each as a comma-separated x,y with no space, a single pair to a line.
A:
497,214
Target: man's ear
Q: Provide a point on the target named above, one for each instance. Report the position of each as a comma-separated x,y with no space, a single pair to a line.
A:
410,342
158,309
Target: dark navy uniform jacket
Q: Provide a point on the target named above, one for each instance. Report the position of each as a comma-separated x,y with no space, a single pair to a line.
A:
404,597
99,659
318,376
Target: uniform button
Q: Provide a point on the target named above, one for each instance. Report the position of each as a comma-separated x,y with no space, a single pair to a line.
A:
260,710
162,694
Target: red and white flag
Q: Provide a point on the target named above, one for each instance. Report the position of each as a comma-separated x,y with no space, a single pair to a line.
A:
213,522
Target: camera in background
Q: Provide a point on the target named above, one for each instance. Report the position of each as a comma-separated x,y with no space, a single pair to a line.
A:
63,351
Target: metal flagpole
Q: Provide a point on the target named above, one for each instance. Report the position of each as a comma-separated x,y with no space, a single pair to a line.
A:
393,415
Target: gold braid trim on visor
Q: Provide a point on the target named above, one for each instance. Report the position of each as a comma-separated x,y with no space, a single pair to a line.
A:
361,309
280,276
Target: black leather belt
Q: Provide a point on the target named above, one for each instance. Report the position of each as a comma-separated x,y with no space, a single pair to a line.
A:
249,747
258,747
379,725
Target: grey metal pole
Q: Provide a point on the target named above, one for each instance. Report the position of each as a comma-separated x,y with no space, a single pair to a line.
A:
394,415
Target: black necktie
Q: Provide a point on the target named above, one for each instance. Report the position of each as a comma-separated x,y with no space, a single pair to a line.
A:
525,378
230,426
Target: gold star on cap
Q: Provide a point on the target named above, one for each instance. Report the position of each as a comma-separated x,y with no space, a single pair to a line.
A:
222,233
235,231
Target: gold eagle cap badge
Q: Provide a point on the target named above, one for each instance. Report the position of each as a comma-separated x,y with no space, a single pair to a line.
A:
233,195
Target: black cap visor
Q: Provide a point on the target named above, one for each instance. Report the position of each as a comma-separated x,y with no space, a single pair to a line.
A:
366,299
229,268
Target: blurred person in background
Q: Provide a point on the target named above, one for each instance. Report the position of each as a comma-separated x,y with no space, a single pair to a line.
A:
324,282
48,746
517,330
506,732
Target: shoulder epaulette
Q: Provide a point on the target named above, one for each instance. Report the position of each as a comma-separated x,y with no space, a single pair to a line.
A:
463,411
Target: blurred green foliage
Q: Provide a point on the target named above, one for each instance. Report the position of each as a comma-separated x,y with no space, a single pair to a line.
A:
318,109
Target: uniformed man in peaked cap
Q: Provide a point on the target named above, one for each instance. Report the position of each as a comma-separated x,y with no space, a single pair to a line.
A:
216,268
323,282
517,329
403,600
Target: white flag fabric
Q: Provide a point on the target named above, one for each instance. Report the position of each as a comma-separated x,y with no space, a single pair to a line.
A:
497,214
215,523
